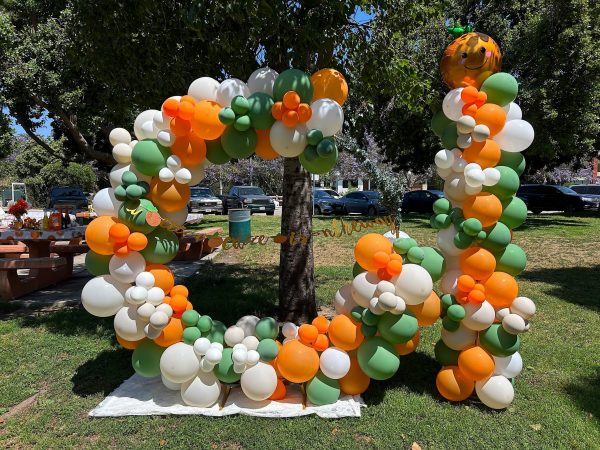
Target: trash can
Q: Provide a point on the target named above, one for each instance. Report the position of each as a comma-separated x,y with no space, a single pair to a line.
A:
239,224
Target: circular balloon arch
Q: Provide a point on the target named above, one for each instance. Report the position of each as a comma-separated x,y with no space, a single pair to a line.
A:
379,313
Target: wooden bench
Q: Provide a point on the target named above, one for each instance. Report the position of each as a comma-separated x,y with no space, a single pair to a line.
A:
9,250
192,246
44,272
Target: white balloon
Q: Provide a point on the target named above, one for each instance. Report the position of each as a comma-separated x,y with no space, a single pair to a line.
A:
253,356
514,324
248,324
459,164
125,269
465,124
454,189
128,324
334,363
288,142
201,391
444,173
414,284
496,392
170,385
364,287
161,121
444,159
234,335
262,80
492,176
165,138
204,88
289,330
173,162
179,363
201,346
453,104
145,311
516,136
177,218
140,121
327,116
509,366
464,140
105,203
449,280
259,382
119,136
445,241
459,339
118,170
103,296
229,89
475,178
480,133
523,306
166,175
343,300
513,111
136,295
472,190
183,176
391,235
145,280
478,317
155,296
250,342
197,173
122,153
159,319
502,313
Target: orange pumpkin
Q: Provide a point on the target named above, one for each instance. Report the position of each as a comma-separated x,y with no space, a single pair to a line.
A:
469,60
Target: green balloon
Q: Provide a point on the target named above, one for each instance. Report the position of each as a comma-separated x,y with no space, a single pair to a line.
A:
205,324
121,193
511,260
368,330
514,160
433,262
501,88
456,313
397,328
240,104
266,328
259,110
190,334
449,136
134,191
450,324
447,301
217,332
514,212
310,153
357,313
415,255
293,80
403,245
215,153
321,164
128,178
190,318
148,157
322,390
445,355
145,359
224,369
356,269
457,217
133,214
498,342
238,144
442,206
326,147
440,221
507,185
472,226
378,358
227,116
439,122
242,123
314,136
267,349
97,264
368,318
498,237
162,247
462,240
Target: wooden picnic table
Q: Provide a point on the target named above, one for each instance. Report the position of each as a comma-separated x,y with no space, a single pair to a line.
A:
193,245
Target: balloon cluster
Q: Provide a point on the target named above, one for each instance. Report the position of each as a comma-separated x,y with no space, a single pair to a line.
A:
483,315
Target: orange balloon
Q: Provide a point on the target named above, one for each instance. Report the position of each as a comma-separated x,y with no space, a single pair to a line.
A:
171,334
297,362
178,303
186,108
129,345
206,123
476,363
321,323
170,107
97,235
453,384
308,333
476,296
191,149
410,346
291,100
465,283
322,343
492,116
119,232
366,248
137,241
485,207
304,112
428,312
121,250
486,154
501,289
163,277
263,145
280,391
329,83
345,333
355,382
477,262
180,289
277,110
171,196
180,127
290,118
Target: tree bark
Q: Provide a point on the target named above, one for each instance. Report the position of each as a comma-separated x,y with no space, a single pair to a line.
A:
297,301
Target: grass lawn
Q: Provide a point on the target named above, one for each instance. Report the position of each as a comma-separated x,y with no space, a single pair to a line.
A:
71,361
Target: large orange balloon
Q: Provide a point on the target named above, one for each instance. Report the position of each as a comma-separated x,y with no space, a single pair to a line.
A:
191,149
129,345
329,83
280,391
345,333
367,246
170,196
410,346
171,334
263,145
476,363
485,207
206,123
477,262
453,384
355,382
486,153
97,235
163,277
501,289
297,362
428,312
492,116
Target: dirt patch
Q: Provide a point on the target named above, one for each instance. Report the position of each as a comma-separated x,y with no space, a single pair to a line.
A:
20,407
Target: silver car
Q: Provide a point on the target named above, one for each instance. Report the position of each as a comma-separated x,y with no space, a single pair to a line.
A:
203,200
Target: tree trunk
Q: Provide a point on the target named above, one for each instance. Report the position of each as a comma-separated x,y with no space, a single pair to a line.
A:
296,266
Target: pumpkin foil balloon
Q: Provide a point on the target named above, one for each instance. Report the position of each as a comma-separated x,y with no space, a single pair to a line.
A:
469,60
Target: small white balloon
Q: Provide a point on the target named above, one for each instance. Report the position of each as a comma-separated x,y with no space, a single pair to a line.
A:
334,363
289,330
459,165
159,319
364,287
166,309
253,356
161,121
516,136
288,142
213,355
475,177
464,140
444,159
165,138
170,385
148,129
262,80
509,366
122,153
478,317
472,190
453,104
460,339
137,294
204,88
126,269
103,296
173,162
145,279
166,175
327,116
495,392
480,133
234,335
155,296
202,391
145,311
492,176
465,124
502,313
183,176
251,342
119,136
523,306
105,203
229,89
201,346
513,324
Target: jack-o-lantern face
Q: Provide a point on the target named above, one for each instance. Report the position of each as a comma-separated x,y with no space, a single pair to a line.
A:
469,60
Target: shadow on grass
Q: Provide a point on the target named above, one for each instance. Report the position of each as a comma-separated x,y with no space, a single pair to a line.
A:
103,373
585,393
557,221
70,322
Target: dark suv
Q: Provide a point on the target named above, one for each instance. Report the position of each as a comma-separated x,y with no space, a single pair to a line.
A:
251,197
67,196
590,194
420,201
547,197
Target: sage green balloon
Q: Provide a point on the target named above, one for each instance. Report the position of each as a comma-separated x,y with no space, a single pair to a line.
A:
511,260
238,144
514,160
356,269
440,221
498,342
191,334
224,369
227,116
472,226
442,206
322,390
145,359
240,104
368,318
514,212
433,262
162,247
462,240
129,177
415,255
507,185
242,123
321,164
447,301
97,264
266,328
190,318
498,237
439,122
215,153
501,88
449,136
293,80
357,313
403,245
456,313
314,136
378,358
449,324
217,332
267,349
445,355
205,324
259,110
148,157
397,329
133,214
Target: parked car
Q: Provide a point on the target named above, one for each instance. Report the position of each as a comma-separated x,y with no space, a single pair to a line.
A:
67,196
547,197
203,200
420,201
331,192
589,193
363,202
251,197
325,203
